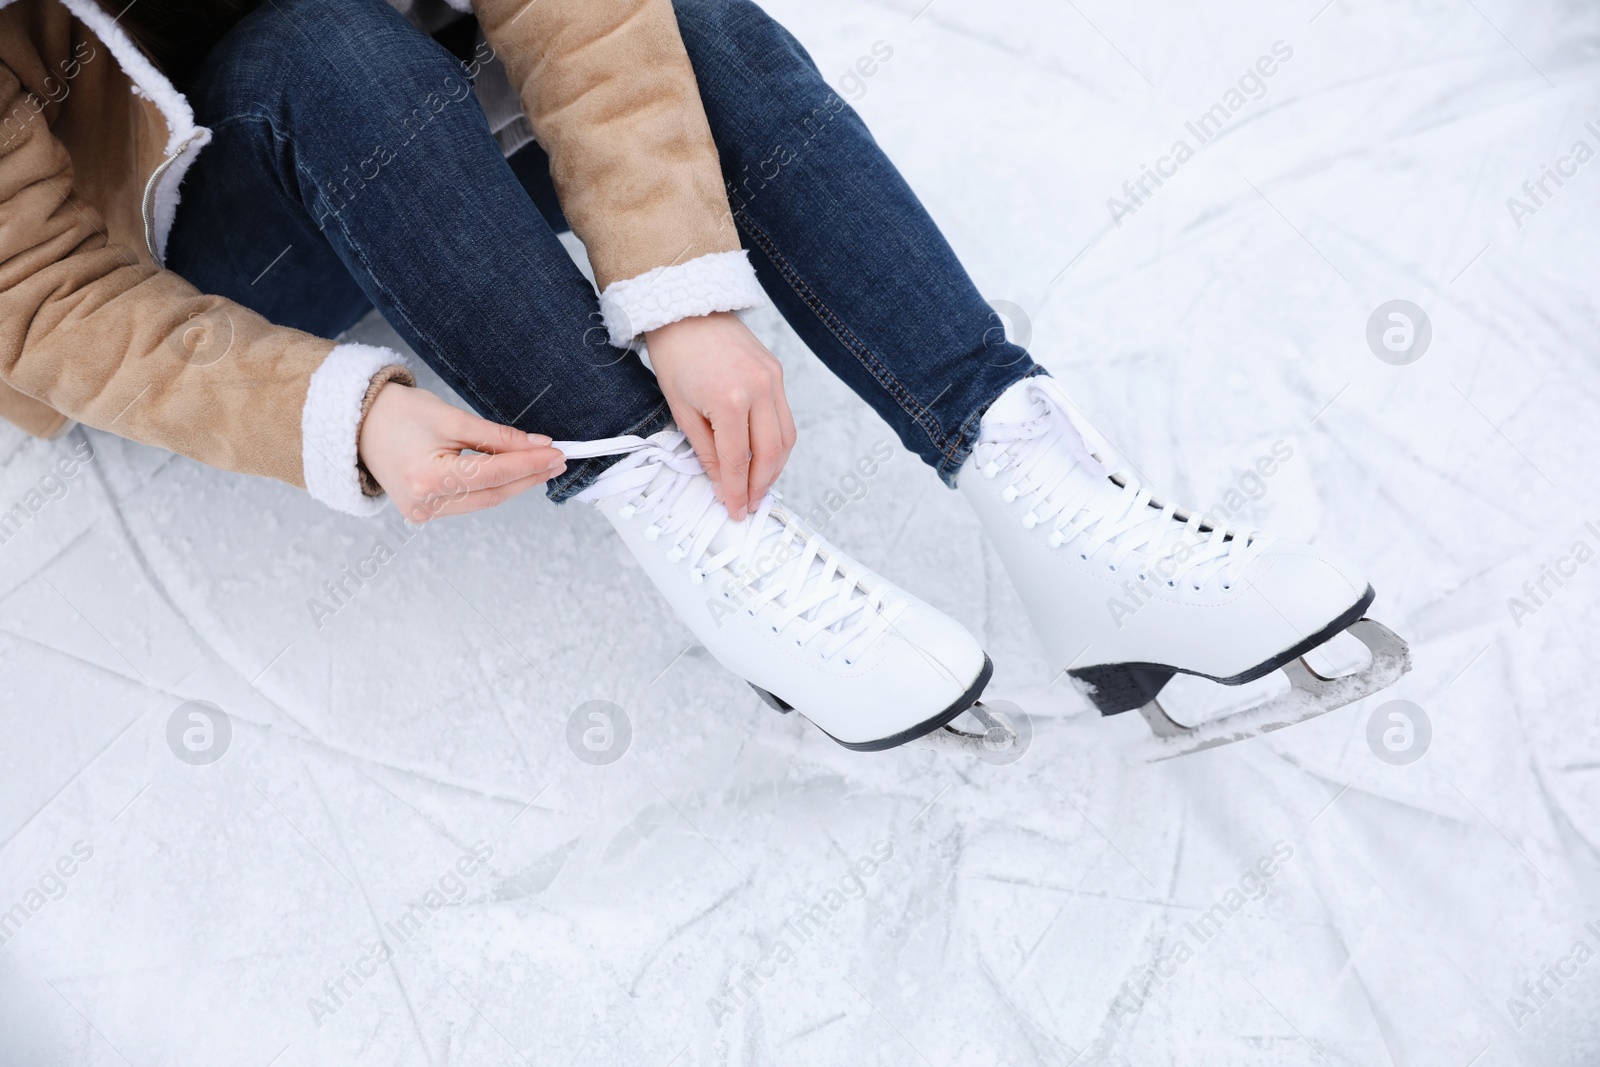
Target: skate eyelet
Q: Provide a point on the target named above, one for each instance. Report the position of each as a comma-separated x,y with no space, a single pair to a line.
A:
1112,567
1143,577
1227,587
849,663
1172,583
1196,588
1084,556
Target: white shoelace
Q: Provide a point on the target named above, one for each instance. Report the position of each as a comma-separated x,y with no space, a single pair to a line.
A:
772,561
1064,485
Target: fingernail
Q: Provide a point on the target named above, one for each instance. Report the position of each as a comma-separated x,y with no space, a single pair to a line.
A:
538,439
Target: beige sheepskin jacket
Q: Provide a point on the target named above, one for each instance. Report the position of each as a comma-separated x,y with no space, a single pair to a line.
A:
94,145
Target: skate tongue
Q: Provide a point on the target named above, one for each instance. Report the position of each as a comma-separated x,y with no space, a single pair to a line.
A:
1017,404
760,552
1037,407
1054,459
1017,416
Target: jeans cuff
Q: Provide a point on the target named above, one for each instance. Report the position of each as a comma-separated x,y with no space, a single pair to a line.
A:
951,462
579,477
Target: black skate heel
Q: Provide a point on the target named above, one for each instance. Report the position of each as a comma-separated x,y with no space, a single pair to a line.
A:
1117,687
771,701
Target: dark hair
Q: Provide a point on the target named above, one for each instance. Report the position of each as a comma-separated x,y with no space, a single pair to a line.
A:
177,34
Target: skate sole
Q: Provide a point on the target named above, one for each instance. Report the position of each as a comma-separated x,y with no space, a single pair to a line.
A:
927,726
1119,687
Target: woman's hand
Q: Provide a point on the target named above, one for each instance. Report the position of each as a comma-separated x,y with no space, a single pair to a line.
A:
726,393
412,441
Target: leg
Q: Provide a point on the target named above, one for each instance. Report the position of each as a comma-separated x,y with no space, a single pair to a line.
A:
862,274
352,167
841,243
347,136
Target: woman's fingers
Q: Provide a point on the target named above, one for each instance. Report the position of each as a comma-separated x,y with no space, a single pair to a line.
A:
474,471
768,453
458,477
481,435
786,424
698,431
481,499
435,459
733,462
711,368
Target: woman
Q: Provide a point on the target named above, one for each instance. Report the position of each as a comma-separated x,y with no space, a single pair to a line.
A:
705,164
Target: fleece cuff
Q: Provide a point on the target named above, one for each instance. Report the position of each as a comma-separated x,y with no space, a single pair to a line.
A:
330,425
721,281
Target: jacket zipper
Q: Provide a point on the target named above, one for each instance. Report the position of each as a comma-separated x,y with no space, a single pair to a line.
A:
147,206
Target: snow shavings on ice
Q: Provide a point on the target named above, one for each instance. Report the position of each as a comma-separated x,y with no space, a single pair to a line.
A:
737,889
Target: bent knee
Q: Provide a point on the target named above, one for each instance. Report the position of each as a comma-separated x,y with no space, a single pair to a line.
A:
738,49
730,25
348,52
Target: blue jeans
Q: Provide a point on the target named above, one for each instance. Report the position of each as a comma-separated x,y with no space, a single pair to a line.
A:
352,168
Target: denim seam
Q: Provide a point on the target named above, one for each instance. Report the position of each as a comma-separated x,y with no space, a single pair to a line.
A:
967,438
953,453
962,449
864,355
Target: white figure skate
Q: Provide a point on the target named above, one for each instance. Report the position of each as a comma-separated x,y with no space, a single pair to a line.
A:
1126,591
810,629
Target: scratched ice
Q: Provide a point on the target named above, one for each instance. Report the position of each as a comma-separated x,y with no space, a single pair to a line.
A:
399,859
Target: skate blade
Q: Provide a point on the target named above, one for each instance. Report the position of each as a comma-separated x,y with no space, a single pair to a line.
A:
1007,732
1310,695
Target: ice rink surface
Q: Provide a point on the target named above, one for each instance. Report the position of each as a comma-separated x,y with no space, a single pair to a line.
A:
398,859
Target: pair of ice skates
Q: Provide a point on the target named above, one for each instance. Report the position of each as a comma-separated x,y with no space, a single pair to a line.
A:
815,632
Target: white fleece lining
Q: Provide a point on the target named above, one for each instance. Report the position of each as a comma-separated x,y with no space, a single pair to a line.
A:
463,6
166,205
150,82
184,138
332,412
720,281
329,422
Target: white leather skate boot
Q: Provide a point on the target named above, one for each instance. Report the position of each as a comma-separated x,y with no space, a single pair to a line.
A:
810,629
1126,591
